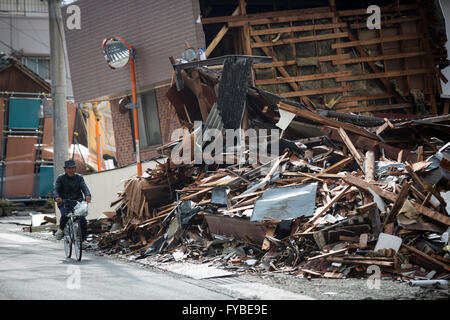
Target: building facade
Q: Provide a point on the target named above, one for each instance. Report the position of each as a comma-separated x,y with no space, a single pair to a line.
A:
157,30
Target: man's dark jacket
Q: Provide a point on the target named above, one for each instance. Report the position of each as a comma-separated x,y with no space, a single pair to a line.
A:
70,188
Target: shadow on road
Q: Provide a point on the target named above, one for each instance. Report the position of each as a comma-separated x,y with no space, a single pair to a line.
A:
75,262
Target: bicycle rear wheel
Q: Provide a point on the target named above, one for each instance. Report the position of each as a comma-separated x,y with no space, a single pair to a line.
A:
68,239
78,242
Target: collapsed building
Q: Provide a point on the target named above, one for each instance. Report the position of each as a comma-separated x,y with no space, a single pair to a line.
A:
354,127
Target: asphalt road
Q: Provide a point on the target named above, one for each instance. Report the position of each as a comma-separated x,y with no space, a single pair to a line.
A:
33,266
38,269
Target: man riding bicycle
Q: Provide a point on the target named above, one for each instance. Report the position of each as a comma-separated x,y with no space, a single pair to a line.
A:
70,186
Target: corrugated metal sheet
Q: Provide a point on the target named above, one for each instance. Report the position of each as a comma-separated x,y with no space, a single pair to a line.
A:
157,29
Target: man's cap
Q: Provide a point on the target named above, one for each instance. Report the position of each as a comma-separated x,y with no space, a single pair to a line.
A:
69,164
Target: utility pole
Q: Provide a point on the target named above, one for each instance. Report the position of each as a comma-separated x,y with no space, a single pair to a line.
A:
58,75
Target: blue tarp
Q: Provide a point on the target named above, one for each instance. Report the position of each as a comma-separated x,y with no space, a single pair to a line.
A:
24,113
46,181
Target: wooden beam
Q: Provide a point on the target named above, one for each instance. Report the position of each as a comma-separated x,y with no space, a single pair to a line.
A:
377,58
245,30
315,92
284,73
389,74
385,22
363,12
376,41
362,261
327,207
301,39
294,62
328,254
369,166
318,76
398,204
376,108
297,29
326,121
358,157
430,213
272,15
360,183
213,44
427,257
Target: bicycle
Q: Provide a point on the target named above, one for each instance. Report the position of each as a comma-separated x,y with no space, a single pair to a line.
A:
72,230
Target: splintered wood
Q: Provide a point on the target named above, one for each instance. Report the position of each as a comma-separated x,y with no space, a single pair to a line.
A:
337,193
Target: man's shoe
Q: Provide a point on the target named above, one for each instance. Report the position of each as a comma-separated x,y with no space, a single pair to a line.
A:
59,234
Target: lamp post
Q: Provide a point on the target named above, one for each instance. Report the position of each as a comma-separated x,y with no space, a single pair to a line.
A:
117,54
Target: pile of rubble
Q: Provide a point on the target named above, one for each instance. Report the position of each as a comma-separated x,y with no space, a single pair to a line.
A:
344,193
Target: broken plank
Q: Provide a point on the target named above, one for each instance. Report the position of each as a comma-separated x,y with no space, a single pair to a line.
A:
378,58
300,39
369,166
398,204
377,108
247,195
427,257
356,154
297,28
318,76
240,209
310,272
327,121
270,232
364,262
377,40
328,206
284,73
212,45
302,93
377,75
331,253
439,217
294,62
360,183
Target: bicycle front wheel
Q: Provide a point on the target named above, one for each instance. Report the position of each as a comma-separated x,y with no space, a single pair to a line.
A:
78,241
68,239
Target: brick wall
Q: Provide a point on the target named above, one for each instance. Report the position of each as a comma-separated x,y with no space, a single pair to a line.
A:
122,129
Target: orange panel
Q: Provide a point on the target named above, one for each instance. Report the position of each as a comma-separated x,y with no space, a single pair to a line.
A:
2,110
47,141
20,157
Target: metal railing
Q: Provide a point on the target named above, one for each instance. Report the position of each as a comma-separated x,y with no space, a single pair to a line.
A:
22,7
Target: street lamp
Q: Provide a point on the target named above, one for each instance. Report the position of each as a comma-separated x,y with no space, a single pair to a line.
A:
117,53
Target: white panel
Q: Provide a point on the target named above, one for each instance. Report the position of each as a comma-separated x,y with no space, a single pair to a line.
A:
105,185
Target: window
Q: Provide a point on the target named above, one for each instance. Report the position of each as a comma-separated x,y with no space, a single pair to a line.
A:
149,128
39,65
